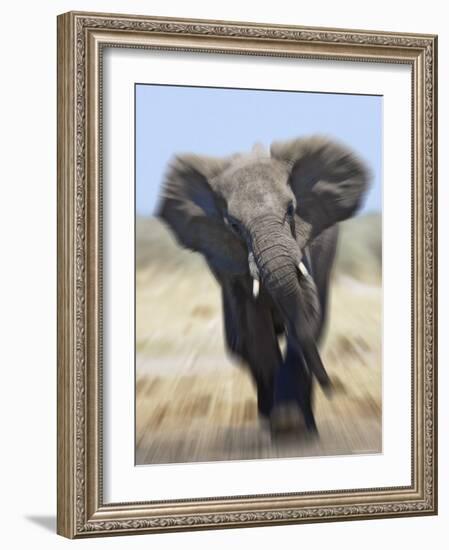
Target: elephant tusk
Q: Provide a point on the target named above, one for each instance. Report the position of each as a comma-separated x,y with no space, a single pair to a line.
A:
303,269
256,287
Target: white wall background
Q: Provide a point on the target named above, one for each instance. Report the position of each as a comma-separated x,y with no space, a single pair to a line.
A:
28,271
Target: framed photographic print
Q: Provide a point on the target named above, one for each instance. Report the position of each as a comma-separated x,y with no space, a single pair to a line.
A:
246,274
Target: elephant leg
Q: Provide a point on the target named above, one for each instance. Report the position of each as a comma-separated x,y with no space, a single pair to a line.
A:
264,355
251,336
265,395
293,394
294,384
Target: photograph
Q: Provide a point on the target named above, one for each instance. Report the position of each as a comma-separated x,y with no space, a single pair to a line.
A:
258,273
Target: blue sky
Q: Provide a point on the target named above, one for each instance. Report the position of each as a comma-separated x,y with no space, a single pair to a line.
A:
218,121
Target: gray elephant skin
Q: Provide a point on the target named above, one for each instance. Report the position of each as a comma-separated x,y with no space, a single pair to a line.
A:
266,223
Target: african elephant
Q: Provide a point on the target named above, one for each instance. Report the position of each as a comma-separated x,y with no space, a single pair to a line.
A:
267,224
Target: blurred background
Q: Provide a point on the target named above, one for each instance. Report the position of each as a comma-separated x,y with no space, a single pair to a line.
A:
193,402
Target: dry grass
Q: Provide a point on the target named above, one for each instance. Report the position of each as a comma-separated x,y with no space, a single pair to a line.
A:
195,404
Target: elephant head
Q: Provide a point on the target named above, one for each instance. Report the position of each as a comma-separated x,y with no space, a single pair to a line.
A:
253,216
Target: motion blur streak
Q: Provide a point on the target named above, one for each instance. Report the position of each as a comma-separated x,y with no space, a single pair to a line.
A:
193,404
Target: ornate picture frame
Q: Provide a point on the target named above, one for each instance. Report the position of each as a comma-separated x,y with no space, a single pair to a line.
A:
82,40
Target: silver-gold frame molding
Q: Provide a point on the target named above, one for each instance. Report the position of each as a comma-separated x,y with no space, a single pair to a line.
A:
81,39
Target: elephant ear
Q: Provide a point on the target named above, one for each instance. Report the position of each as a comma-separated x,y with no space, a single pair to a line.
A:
190,207
328,180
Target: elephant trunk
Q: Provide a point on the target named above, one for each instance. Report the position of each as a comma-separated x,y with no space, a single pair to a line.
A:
278,259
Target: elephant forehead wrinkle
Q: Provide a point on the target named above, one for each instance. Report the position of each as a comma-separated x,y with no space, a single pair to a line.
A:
255,187
248,169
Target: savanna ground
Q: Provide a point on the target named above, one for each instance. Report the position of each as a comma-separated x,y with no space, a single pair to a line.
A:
194,403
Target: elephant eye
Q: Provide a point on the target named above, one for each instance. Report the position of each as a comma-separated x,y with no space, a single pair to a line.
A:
233,224
290,217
